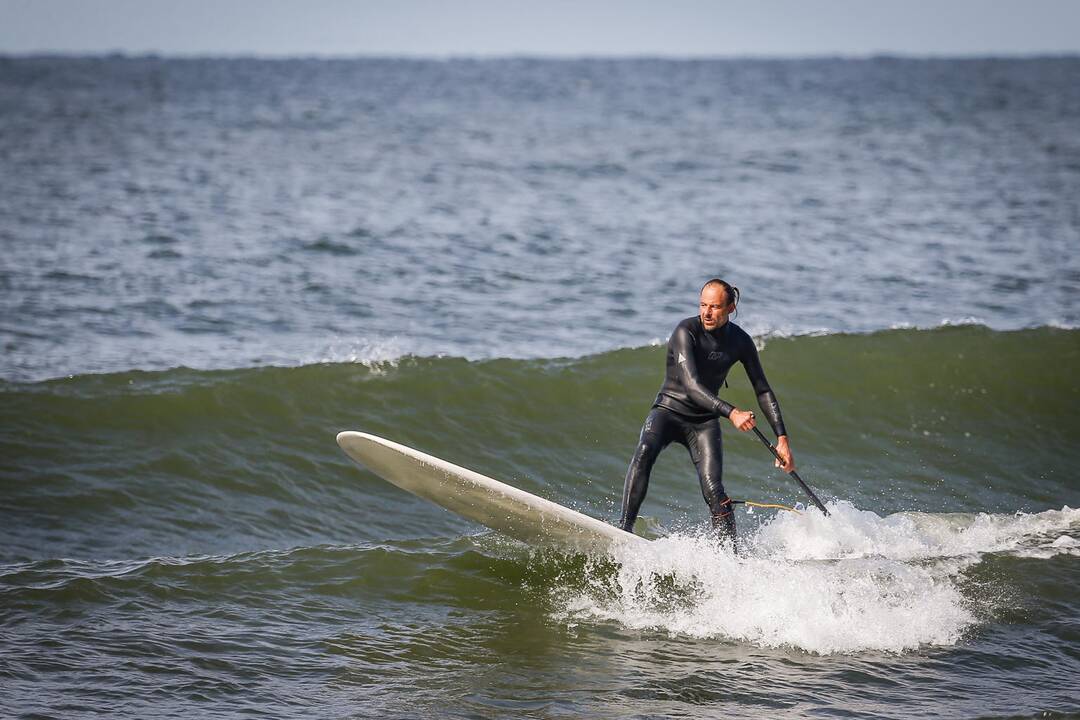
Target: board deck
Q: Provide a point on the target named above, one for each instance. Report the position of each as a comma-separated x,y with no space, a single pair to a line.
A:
499,506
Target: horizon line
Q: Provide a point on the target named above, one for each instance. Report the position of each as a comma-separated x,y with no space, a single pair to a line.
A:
569,57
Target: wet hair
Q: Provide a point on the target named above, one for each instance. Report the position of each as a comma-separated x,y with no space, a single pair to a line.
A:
730,291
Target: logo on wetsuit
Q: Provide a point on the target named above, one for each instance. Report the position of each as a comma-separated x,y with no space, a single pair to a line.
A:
717,355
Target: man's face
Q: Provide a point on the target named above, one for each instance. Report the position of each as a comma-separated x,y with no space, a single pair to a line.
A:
714,307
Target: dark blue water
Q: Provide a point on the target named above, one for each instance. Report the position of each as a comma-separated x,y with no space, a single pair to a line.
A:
231,213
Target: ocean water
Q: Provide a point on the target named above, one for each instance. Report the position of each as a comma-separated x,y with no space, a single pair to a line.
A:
210,267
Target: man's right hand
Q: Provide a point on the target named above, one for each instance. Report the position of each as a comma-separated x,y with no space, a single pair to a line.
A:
742,419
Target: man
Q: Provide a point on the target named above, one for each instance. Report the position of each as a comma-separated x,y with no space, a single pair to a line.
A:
700,353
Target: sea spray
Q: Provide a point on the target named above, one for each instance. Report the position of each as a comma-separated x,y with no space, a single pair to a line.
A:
849,583
853,533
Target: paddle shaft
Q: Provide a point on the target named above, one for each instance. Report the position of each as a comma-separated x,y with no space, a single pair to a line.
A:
805,487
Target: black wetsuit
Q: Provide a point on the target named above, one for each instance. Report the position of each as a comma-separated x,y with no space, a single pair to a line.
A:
687,411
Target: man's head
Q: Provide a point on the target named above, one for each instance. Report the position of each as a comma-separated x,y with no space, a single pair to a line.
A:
718,300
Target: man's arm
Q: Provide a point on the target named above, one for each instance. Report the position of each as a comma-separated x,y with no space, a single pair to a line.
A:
767,401
769,405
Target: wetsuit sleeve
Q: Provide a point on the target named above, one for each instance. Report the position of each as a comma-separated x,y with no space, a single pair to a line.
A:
766,398
686,368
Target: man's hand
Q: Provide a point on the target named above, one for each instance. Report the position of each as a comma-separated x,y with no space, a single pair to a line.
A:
742,419
784,451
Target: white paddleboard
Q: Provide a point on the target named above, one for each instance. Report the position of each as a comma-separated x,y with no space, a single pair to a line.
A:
499,506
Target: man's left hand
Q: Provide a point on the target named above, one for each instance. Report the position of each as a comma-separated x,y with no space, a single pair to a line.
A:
784,452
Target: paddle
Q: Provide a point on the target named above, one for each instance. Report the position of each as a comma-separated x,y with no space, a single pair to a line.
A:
793,474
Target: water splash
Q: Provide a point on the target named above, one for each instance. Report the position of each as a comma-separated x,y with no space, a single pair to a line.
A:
853,533
849,583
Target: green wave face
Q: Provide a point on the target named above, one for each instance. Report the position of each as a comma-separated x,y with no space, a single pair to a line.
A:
956,419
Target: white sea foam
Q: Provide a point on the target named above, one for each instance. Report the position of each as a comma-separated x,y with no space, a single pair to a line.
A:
962,321
852,533
376,353
852,582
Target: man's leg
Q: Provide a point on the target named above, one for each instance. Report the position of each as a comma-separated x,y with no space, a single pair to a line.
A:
707,451
653,439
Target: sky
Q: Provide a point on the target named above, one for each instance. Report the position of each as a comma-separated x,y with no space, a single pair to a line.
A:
561,28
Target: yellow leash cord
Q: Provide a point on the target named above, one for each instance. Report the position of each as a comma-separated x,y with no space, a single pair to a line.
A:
768,505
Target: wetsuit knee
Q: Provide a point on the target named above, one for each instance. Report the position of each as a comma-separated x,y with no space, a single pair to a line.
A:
651,442
708,456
